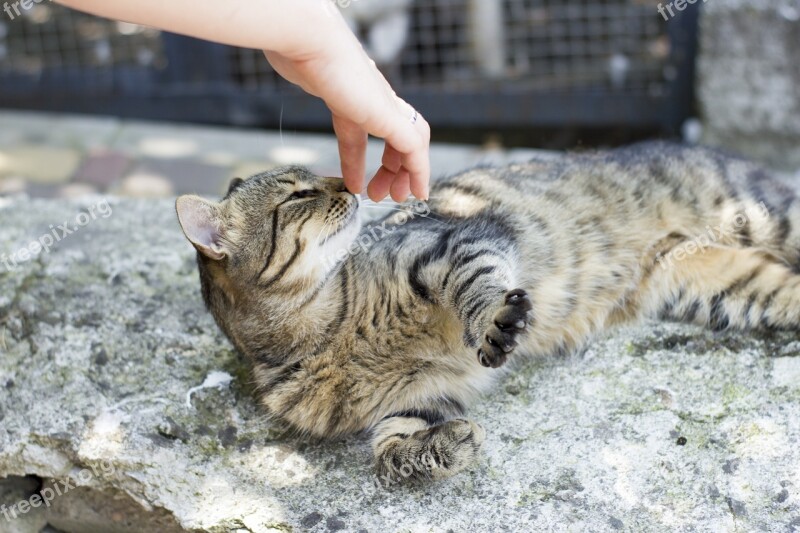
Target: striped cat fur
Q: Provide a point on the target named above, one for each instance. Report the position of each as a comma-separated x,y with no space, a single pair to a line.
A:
511,262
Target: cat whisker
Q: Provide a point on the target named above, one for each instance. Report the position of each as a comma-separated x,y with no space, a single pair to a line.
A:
389,208
391,203
324,227
413,213
379,204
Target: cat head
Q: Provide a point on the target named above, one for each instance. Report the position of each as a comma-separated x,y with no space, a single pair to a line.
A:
279,229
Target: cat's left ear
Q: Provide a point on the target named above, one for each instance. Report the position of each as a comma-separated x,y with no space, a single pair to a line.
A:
201,223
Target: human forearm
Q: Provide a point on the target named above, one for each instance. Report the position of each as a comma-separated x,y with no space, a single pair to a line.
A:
285,26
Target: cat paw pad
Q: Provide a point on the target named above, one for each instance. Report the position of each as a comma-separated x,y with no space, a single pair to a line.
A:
510,321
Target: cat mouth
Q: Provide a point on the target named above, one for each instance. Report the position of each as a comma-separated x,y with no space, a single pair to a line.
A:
344,223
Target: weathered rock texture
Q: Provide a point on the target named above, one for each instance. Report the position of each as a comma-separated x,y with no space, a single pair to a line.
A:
749,78
658,428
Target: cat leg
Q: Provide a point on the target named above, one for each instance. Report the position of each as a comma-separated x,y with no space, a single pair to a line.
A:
494,313
407,448
507,323
723,287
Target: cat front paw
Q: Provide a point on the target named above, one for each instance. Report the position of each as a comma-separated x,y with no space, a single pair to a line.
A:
434,453
510,321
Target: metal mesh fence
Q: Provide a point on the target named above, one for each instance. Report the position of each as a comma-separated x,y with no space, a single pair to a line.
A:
621,44
541,44
49,36
467,63
448,44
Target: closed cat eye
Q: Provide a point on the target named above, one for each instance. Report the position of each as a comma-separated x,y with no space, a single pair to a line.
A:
307,193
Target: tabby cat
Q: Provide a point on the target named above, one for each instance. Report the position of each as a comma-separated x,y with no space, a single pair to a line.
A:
529,259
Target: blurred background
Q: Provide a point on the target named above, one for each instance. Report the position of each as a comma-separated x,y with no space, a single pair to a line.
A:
491,76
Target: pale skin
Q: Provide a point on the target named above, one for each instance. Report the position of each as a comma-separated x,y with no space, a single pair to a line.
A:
308,43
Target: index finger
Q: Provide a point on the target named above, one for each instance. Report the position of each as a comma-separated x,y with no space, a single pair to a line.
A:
352,152
418,162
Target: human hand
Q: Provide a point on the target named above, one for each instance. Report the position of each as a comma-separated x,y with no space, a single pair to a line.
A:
361,102
309,43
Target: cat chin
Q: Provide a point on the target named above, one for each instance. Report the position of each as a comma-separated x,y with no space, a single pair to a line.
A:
338,248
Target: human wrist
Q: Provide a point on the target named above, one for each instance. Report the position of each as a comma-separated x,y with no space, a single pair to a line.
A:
312,28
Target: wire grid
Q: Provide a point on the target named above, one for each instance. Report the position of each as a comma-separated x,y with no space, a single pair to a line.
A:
51,36
438,48
547,44
619,44
252,72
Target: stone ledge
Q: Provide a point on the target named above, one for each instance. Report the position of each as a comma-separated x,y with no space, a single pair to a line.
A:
660,427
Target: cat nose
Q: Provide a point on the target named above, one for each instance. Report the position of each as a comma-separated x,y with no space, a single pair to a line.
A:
340,187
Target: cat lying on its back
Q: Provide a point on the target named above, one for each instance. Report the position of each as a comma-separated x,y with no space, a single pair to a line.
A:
530,259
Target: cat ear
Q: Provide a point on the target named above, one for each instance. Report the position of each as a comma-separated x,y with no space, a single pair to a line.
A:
235,182
200,221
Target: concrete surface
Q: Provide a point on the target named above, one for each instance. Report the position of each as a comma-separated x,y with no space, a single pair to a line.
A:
102,338
655,428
